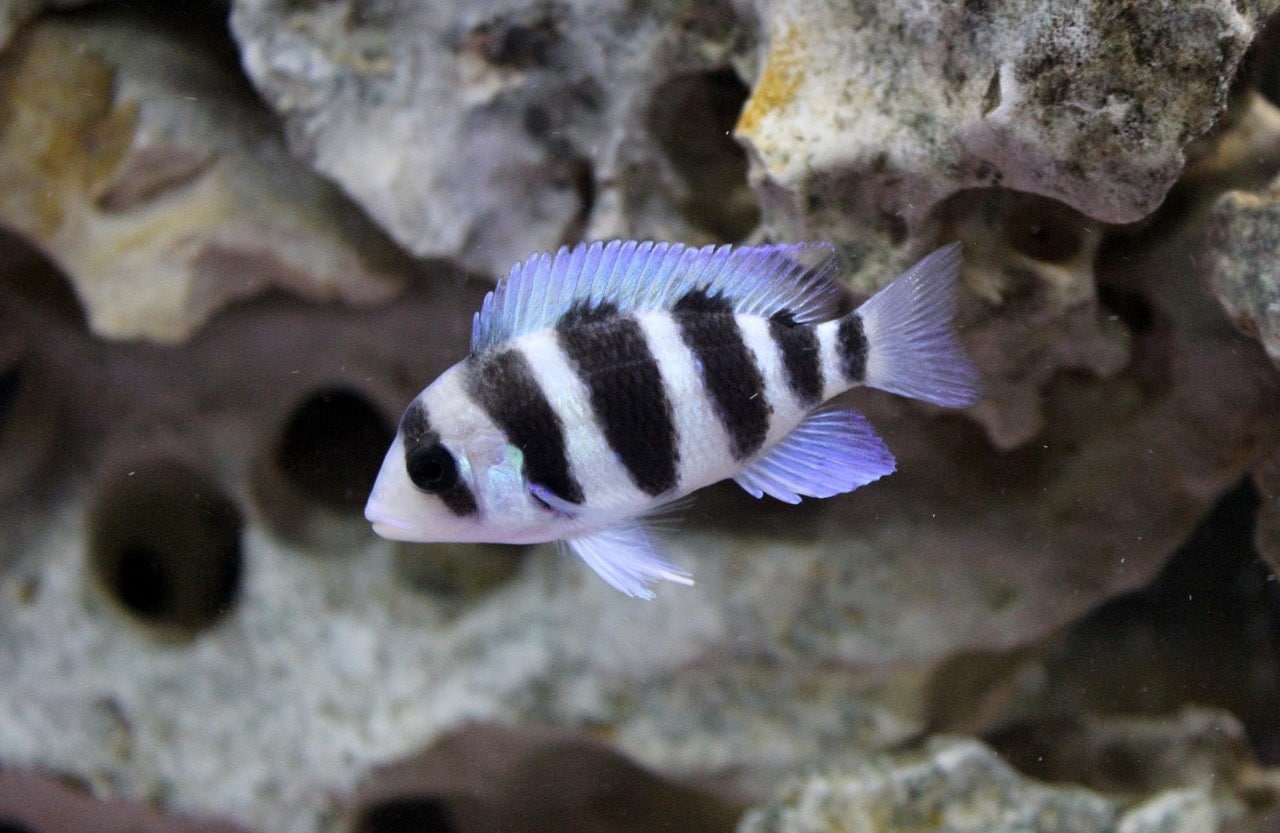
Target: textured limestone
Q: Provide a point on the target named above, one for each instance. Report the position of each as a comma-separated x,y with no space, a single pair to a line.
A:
138,163
875,113
485,131
877,128
962,787
810,631
1243,262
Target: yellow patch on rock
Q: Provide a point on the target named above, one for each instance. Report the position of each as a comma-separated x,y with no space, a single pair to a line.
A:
778,83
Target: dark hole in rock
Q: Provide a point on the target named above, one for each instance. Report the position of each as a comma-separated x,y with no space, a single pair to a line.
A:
691,119
1131,306
1206,631
164,543
1261,64
8,826
522,39
529,779
1043,229
29,279
142,582
10,386
991,98
414,814
332,446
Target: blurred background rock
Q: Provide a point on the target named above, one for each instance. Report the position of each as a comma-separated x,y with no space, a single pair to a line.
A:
238,237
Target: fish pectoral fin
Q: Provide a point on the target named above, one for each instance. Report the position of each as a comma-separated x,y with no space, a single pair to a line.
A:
833,451
628,557
553,501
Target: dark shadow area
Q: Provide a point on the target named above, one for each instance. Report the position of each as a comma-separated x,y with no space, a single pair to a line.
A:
164,543
529,779
1206,631
332,445
691,119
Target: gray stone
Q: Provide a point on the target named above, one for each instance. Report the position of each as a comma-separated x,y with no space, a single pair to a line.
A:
135,161
868,115
486,131
959,786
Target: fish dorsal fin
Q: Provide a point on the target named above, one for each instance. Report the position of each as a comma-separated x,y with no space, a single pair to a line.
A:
645,276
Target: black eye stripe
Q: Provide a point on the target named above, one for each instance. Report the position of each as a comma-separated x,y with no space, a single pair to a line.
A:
431,467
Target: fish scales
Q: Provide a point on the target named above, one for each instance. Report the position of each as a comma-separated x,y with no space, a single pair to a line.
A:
609,380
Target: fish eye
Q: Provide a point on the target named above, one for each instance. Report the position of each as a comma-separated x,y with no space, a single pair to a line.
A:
432,468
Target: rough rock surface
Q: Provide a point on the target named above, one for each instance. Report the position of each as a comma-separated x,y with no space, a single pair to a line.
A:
484,131
957,786
877,112
1244,262
141,166
827,616
1121,400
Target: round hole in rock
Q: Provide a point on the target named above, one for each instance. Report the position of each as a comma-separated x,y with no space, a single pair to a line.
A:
691,119
412,814
1043,229
164,544
332,445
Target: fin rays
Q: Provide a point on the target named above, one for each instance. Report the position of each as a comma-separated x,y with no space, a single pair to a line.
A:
641,276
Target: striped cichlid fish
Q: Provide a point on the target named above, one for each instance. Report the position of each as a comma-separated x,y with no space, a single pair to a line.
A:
608,380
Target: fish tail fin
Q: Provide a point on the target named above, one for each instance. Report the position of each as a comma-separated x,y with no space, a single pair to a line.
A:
911,342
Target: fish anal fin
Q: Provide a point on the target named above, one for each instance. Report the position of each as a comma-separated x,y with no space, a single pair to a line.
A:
832,452
627,557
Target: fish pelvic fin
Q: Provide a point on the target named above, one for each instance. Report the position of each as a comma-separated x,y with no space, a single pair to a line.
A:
628,557
912,347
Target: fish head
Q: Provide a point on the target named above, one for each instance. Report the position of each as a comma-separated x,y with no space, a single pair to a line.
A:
451,475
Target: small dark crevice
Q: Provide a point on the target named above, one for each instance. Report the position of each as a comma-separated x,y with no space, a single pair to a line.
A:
991,98
332,445
408,814
691,119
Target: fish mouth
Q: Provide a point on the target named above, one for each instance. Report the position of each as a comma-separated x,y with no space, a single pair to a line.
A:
386,526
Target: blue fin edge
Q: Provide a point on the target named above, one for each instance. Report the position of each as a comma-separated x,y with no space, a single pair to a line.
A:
645,276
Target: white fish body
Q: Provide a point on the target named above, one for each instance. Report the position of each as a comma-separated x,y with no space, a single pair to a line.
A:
609,380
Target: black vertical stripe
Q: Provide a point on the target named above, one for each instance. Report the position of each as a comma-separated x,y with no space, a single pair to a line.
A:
801,356
729,371
610,355
503,384
415,429
851,343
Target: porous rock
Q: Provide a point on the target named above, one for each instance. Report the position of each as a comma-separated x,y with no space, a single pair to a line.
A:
869,115
484,131
1243,262
139,164
961,786
827,616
